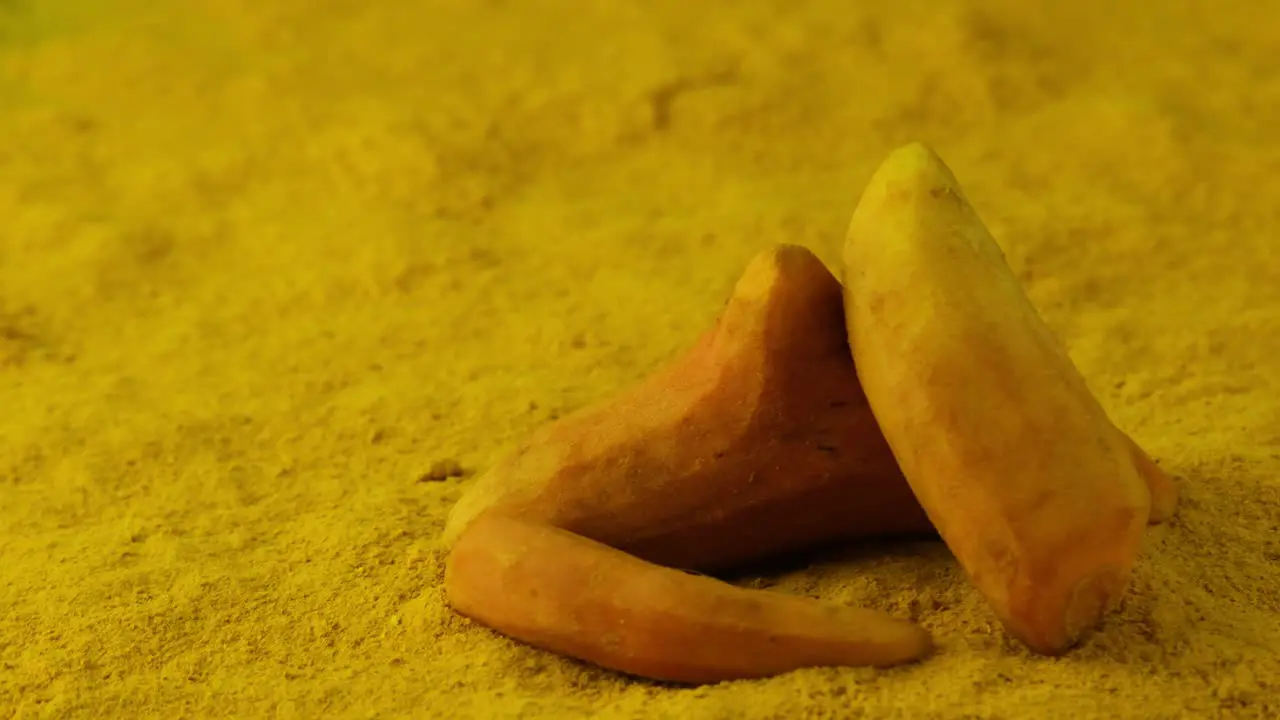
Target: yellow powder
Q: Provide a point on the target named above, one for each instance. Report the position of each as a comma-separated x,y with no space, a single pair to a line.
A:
273,274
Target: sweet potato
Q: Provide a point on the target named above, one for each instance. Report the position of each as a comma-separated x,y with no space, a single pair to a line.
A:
562,592
757,441
1039,496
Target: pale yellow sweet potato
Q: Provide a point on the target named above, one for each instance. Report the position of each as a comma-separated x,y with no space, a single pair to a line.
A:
1040,497
565,593
757,441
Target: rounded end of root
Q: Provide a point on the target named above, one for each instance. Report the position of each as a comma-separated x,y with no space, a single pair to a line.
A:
913,644
915,161
912,174
1054,623
1092,598
910,211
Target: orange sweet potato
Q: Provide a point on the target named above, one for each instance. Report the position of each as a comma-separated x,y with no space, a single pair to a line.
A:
1040,497
757,441
565,593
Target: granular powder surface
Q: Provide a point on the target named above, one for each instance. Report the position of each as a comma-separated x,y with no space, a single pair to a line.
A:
278,279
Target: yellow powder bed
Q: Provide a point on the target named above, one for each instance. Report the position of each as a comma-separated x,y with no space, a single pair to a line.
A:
277,278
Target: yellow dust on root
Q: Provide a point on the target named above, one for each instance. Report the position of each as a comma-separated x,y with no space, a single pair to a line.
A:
277,277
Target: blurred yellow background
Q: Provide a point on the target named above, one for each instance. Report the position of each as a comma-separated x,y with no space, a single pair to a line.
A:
277,277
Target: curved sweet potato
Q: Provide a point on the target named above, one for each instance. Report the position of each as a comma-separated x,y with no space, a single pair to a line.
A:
1036,492
565,593
758,441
